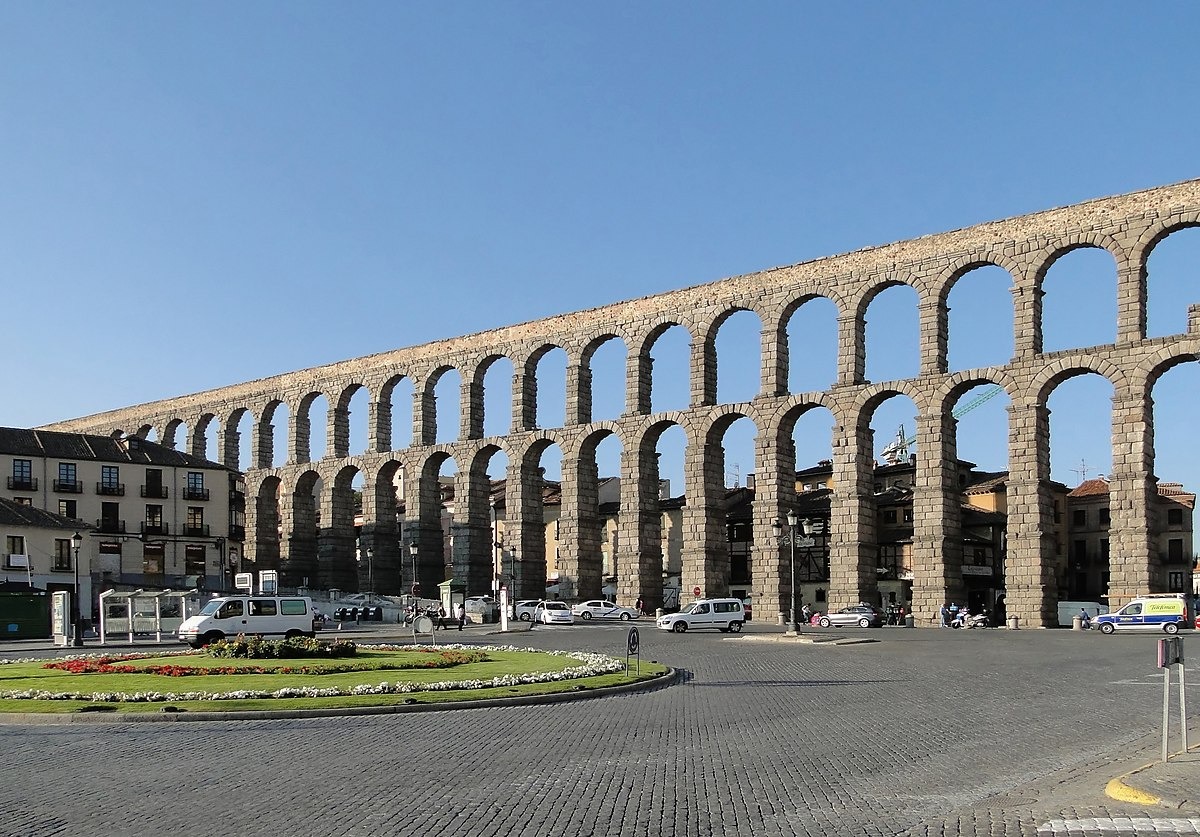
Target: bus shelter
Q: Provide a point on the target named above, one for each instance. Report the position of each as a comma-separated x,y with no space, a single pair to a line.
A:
143,612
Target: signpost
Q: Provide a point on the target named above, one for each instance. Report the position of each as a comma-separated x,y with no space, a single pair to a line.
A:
1170,653
633,647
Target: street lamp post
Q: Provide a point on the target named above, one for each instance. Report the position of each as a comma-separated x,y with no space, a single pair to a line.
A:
233,565
794,529
370,574
413,549
76,635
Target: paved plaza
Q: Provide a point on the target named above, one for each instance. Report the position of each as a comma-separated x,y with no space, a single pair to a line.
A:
924,732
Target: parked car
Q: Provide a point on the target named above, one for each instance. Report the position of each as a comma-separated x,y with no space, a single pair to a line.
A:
723,614
524,609
487,609
553,613
862,615
601,609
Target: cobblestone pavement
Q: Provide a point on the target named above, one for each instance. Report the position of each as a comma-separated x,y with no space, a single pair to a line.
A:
925,732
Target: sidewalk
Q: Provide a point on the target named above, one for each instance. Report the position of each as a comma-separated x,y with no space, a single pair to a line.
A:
1174,785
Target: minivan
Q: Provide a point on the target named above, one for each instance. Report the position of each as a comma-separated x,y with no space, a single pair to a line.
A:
267,616
1163,612
723,614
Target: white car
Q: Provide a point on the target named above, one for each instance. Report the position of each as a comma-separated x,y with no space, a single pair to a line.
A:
524,609
601,609
553,613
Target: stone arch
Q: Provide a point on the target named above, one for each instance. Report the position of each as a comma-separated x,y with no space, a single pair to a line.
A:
230,440
709,360
1054,254
300,442
868,295
430,418
199,443
776,344
381,431
265,449
477,395
337,536
582,404
169,430
641,361
1143,251
263,548
935,336
432,527
339,420
303,514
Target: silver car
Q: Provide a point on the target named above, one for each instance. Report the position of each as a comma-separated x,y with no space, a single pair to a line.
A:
601,609
864,616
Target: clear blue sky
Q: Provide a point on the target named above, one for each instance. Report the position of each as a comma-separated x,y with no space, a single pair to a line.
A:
200,194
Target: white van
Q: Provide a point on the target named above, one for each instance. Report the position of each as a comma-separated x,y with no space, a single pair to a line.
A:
1155,612
723,614
267,616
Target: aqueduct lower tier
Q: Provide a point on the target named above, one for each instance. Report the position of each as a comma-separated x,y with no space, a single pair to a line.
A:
1127,227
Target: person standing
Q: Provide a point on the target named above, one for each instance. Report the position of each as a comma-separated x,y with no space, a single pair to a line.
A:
441,618
461,613
640,606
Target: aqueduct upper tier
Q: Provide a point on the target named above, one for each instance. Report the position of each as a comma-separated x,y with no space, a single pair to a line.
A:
281,520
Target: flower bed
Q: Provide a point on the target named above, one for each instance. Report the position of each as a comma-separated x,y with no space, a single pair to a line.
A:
590,665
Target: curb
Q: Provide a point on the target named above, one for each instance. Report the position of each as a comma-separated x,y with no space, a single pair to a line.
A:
668,678
1118,789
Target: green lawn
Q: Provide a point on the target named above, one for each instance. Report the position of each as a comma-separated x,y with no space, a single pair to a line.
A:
32,675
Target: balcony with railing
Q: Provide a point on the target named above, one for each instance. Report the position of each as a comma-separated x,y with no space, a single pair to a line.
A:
68,486
22,484
158,528
195,530
155,492
111,489
110,526
195,493
237,533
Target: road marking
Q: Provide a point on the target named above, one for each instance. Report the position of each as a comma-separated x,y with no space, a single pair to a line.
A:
1122,825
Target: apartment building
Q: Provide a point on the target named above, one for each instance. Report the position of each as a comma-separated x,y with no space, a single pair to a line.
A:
150,515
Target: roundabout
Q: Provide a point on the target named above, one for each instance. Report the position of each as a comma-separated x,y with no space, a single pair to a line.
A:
294,678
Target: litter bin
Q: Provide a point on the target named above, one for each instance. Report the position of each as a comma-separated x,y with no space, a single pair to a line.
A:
1014,623
910,621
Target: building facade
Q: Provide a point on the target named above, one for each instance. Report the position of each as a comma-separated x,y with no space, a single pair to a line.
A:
151,517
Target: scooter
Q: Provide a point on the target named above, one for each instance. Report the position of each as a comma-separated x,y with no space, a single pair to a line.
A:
979,620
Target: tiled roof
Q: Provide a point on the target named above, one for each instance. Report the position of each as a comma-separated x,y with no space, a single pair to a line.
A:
15,514
1090,488
16,441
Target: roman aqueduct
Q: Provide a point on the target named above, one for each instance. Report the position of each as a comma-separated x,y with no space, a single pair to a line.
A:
281,498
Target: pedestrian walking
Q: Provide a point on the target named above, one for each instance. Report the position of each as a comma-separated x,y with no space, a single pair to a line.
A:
441,619
461,613
640,606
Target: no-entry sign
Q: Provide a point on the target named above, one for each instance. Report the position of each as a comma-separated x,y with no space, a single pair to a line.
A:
696,591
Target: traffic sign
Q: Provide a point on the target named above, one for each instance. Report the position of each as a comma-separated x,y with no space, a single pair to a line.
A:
696,592
633,648
634,642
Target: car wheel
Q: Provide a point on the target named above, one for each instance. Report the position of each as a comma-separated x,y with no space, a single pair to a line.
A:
680,627
585,615
1171,627
735,626
211,637
825,623
292,634
864,622
525,617
1107,628
625,617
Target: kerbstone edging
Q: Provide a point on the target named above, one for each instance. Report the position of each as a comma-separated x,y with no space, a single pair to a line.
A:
668,678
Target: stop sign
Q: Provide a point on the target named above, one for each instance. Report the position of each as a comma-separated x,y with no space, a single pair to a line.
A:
696,591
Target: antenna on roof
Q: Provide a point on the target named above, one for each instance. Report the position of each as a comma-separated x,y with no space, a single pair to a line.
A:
1082,470
737,475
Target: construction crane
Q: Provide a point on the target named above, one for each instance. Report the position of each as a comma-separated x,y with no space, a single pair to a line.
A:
897,451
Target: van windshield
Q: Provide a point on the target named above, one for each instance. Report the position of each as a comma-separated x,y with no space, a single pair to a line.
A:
695,607
211,607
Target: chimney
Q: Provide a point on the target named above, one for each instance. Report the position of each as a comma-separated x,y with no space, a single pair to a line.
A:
750,481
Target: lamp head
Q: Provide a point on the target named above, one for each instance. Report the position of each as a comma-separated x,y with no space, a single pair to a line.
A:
412,549
77,540
777,527
792,518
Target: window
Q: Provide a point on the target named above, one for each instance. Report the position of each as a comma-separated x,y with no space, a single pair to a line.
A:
154,518
293,607
889,516
67,508
262,607
22,476
154,484
66,472
62,555
16,546
23,501
1079,517
194,560
230,609
195,481
152,558
110,478
1079,553
1175,582
195,521
1175,550
908,515
1174,517
1104,518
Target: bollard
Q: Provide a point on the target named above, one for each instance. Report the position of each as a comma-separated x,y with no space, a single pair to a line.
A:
658,612
1077,623
1014,623
910,621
